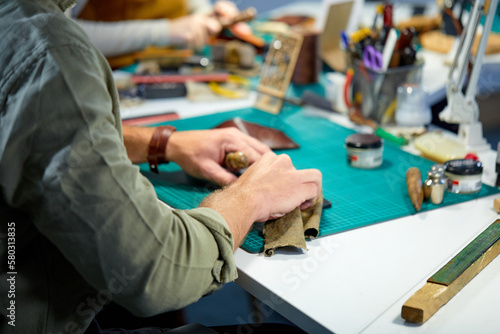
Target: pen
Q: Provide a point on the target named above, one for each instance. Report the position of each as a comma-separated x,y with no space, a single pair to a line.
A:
345,41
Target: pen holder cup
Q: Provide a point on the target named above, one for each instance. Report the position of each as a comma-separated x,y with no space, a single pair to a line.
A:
378,89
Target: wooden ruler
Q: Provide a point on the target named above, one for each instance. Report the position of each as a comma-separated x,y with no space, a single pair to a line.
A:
451,278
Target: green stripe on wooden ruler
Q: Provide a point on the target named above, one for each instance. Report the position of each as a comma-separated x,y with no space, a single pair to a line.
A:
468,255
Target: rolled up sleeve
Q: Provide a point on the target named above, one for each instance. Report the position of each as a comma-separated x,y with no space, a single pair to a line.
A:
100,212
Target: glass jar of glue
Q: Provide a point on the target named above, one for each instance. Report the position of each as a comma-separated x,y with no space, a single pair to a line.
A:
412,108
464,176
364,150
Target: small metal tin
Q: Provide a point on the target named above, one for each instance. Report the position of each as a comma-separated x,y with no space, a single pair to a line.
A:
464,176
364,150
435,185
438,168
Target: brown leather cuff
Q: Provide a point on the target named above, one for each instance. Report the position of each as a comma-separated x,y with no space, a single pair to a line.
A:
158,146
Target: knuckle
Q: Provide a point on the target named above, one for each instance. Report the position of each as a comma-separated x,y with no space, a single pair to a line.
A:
285,160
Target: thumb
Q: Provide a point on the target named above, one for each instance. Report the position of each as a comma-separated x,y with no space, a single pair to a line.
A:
219,175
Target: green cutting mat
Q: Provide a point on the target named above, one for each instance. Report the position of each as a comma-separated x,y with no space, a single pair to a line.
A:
359,197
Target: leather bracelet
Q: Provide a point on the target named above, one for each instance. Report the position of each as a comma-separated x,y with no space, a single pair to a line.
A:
158,146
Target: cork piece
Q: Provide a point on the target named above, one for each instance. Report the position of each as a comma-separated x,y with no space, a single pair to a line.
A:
496,204
311,218
439,42
285,231
421,23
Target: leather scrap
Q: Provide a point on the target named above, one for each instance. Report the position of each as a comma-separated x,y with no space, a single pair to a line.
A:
293,228
311,218
274,138
285,231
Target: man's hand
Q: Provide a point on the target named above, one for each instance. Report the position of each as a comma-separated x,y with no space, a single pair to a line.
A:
268,189
278,188
193,30
201,153
226,11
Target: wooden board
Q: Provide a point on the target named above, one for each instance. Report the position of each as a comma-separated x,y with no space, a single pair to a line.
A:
336,21
277,71
450,279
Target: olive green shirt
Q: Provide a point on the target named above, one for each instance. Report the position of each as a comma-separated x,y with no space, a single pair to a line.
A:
84,225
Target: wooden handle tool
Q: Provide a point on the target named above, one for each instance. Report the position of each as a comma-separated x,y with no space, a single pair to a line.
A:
414,185
236,160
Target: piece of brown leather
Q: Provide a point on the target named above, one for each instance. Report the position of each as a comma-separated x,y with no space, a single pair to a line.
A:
274,138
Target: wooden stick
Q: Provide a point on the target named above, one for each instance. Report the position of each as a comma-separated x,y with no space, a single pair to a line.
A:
450,279
414,185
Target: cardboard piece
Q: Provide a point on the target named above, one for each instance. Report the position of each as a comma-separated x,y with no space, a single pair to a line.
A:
336,21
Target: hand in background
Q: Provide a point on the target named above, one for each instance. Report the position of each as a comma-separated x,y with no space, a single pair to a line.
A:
193,30
225,9
201,153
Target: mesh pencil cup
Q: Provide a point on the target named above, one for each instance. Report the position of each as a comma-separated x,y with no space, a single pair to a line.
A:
379,88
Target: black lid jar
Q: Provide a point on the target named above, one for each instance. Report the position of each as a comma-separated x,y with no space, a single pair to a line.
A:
464,175
364,150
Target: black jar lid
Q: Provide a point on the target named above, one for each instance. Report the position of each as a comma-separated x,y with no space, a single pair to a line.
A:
363,140
463,167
